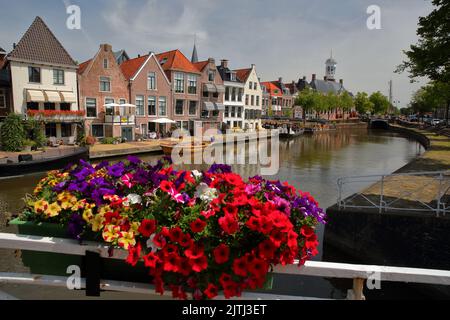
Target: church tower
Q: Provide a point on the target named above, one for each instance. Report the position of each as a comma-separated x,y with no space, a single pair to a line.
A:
330,71
194,58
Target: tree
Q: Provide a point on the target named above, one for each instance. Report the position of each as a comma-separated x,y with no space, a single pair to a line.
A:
12,133
330,102
346,101
380,103
430,56
308,100
363,104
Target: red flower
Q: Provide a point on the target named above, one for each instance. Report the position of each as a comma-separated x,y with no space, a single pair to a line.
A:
171,262
199,264
159,285
254,223
266,249
198,225
184,267
195,251
233,179
175,234
224,279
185,240
259,268
166,186
134,254
221,254
277,237
211,291
111,217
230,290
151,260
147,227
170,248
230,210
240,199
159,240
292,240
229,224
307,232
240,267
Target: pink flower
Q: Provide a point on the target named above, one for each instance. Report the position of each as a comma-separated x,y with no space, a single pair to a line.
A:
127,180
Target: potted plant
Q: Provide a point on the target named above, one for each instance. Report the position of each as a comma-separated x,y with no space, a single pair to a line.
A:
191,232
29,145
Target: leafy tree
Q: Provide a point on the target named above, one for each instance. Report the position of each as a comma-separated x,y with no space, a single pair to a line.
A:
12,133
430,56
380,103
346,101
330,102
363,104
34,132
308,100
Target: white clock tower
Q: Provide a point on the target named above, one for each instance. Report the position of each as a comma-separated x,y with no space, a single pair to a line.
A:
330,71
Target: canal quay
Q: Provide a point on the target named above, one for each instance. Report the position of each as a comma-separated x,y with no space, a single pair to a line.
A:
310,162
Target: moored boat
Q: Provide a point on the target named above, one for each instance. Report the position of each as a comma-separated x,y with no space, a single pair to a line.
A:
182,146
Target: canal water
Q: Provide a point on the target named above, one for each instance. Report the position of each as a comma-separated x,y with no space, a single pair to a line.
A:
311,163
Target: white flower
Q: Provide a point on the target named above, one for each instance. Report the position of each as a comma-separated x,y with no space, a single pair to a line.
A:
134,198
206,193
196,174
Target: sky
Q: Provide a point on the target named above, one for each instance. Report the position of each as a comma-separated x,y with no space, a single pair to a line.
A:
283,38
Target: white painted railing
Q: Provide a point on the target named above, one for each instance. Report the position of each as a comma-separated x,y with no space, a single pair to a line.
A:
359,273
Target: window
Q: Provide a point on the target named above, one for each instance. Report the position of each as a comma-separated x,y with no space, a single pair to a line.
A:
246,99
58,76
50,130
227,111
239,112
105,84
34,74
2,99
233,112
151,106
49,106
233,94
179,82
179,106
140,109
215,113
255,86
105,63
253,100
66,130
98,130
227,94
205,94
233,76
122,101
257,101
250,85
240,94
151,81
109,111
91,107
151,127
192,108
32,105
192,84
162,106
64,106
211,75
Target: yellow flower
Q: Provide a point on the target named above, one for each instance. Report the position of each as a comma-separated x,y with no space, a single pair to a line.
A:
89,205
105,209
126,240
88,215
53,210
40,206
97,222
79,205
134,227
111,233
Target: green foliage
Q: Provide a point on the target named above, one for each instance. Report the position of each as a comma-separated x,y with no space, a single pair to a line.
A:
380,103
12,133
363,104
110,140
35,133
346,101
430,56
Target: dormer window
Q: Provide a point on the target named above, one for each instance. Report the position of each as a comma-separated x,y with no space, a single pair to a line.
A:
233,76
211,75
163,61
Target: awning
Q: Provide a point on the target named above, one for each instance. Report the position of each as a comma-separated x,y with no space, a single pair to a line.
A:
220,88
35,96
210,87
163,121
53,96
209,106
68,97
220,106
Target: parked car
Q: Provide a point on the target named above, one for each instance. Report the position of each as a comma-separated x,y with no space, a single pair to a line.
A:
437,122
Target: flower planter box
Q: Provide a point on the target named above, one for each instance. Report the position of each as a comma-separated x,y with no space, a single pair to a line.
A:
56,264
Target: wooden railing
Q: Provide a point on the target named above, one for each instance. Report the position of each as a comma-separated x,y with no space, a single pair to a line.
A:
359,273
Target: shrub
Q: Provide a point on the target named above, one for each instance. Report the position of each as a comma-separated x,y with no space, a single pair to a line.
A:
12,135
35,133
108,140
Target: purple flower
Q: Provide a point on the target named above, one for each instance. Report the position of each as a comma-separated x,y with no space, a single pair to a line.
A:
283,205
116,170
75,226
134,160
220,168
252,189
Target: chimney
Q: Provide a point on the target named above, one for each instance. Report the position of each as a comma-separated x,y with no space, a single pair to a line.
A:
14,45
304,78
224,63
341,81
253,66
139,55
211,60
280,80
150,53
314,77
106,47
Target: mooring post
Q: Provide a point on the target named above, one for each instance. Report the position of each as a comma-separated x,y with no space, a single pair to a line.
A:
357,293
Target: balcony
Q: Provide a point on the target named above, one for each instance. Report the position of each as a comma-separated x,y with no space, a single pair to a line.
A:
56,116
120,120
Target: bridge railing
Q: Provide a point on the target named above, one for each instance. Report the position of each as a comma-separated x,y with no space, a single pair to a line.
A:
413,192
359,273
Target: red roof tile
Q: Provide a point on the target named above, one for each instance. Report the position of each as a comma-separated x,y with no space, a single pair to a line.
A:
175,60
273,89
82,66
243,74
130,67
201,65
